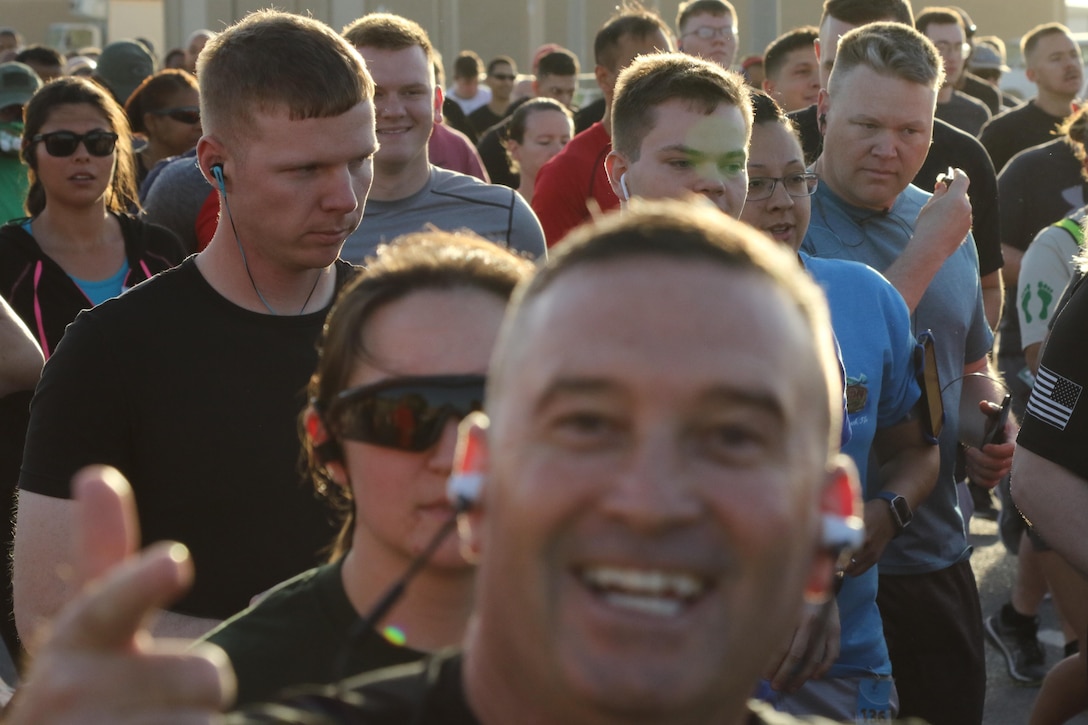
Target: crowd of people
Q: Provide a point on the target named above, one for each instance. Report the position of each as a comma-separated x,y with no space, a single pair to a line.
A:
329,393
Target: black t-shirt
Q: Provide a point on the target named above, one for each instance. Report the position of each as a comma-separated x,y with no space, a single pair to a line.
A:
483,118
1056,420
1017,129
423,693
195,400
950,147
975,87
297,635
964,112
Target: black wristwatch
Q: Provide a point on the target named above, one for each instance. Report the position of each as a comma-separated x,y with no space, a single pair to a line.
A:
900,509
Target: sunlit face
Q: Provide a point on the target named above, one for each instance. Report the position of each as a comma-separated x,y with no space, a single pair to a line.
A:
501,80
796,84
176,137
80,179
950,40
297,187
687,152
775,152
546,133
400,496
720,47
1056,66
561,88
877,135
655,453
404,99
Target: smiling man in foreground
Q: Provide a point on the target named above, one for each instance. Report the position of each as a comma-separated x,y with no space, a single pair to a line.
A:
657,503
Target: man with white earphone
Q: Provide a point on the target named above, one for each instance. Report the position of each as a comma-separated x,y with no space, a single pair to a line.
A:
657,502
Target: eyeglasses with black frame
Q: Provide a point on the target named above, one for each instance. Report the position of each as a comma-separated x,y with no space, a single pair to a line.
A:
181,114
796,185
404,413
65,143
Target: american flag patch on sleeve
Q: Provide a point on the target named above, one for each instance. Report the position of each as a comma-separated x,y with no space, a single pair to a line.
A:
1053,398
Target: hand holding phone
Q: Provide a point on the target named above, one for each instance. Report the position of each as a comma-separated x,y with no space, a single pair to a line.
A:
995,428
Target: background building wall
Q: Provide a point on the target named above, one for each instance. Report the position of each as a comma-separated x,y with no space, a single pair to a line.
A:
490,27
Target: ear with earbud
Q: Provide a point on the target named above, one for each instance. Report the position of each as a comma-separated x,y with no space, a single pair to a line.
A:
325,448
822,121
220,179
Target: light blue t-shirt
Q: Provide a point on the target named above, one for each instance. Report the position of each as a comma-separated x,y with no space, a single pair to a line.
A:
952,308
872,325
101,290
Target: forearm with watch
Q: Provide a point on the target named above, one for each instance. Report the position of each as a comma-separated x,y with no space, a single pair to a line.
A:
908,472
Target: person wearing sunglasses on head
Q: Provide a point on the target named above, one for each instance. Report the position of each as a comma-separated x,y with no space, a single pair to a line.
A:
165,111
402,361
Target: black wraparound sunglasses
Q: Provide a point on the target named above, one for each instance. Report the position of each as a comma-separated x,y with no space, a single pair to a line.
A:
406,413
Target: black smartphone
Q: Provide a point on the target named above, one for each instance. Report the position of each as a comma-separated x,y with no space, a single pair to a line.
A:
931,404
995,428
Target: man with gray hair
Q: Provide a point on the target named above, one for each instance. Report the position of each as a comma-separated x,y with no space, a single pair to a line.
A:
877,118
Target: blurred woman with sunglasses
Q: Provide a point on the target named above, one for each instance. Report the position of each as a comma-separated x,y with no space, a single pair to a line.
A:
78,248
165,110
403,359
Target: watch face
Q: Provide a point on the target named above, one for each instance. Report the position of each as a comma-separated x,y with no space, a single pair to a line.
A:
902,511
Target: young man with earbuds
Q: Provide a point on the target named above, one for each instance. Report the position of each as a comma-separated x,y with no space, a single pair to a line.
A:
191,383
702,500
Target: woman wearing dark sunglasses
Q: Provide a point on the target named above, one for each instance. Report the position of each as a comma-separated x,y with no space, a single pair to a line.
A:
79,247
402,361
164,110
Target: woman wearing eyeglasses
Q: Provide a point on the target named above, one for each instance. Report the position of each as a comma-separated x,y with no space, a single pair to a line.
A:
164,110
402,361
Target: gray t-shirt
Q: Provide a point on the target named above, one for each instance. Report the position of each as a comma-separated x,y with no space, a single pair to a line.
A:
952,309
451,202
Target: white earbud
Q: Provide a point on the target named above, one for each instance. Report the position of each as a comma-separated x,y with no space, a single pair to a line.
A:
623,187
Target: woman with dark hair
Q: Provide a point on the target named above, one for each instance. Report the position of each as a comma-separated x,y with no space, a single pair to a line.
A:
165,110
403,359
538,130
78,247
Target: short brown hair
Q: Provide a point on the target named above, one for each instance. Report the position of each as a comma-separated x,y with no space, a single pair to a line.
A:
938,16
676,230
428,260
862,12
652,80
1032,37
629,20
717,8
273,60
890,49
387,31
